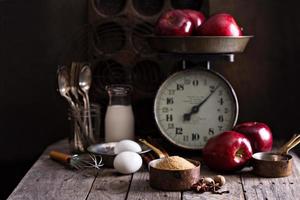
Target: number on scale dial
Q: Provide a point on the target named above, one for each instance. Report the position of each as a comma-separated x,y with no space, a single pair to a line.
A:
193,105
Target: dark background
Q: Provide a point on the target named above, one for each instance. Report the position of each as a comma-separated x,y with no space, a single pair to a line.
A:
35,34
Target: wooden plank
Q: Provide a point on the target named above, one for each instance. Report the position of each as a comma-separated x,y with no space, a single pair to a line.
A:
233,185
48,179
273,188
110,185
140,189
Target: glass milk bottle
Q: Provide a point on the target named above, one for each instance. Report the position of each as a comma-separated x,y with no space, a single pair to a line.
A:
119,119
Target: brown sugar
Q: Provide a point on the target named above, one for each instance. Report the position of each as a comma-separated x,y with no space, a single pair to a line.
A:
174,163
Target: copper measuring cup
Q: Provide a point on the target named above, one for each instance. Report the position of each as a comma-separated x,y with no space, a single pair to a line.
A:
275,164
172,180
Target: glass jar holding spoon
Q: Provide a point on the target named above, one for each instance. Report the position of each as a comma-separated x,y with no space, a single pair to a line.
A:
79,140
85,118
64,88
119,118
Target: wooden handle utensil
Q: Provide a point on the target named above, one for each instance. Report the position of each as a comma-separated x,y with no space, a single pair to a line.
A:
156,150
61,157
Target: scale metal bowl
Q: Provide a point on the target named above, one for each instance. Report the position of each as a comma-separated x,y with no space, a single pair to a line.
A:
199,44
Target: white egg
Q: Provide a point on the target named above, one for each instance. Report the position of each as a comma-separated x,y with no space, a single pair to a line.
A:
127,145
128,162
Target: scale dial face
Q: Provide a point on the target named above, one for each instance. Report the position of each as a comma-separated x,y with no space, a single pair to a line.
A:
193,105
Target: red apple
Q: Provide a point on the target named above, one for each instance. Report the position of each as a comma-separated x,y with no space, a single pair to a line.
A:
197,17
227,151
174,23
222,24
258,133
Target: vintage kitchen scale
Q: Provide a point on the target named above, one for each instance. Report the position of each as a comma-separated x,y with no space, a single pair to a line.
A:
196,103
122,52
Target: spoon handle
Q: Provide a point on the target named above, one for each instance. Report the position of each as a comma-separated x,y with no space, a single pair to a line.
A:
84,113
90,127
290,144
73,83
156,150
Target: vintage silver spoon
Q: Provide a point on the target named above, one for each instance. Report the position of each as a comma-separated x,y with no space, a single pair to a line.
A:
64,85
64,89
85,80
73,83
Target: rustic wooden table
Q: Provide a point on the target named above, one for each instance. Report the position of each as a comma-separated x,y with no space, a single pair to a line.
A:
48,179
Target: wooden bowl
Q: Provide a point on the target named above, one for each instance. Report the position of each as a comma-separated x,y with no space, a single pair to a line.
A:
173,180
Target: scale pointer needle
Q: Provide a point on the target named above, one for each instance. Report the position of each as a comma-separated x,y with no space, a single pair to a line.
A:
195,109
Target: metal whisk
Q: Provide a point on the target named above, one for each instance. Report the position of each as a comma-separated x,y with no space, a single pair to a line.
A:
78,161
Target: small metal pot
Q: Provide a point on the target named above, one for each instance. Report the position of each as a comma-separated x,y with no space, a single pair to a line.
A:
271,164
275,164
171,180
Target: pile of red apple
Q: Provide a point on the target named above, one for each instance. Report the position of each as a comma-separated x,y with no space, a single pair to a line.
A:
231,150
188,22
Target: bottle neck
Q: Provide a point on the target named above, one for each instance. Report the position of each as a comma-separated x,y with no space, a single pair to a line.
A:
119,100
119,94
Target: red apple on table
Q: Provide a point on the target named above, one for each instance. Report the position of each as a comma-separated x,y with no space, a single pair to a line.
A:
222,24
197,17
174,23
227,151
258,133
